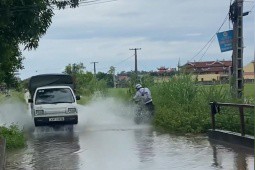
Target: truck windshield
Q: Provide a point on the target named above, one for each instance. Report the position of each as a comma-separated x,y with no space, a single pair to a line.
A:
54,95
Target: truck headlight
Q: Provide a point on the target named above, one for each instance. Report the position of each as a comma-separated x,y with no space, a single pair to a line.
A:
72,110
39,112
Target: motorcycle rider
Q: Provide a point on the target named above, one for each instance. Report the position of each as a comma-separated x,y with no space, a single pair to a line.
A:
143,97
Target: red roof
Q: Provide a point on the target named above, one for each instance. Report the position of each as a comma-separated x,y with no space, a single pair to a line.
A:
208,66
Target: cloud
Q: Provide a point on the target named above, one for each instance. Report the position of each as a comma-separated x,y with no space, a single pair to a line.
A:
166,30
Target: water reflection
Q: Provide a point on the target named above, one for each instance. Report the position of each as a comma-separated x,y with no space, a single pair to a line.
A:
136,148
241,155
48,150
217,162
144,141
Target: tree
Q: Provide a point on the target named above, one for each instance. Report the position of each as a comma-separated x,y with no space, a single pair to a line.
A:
10,61
106,77
26,21
85,82
74,69
23,22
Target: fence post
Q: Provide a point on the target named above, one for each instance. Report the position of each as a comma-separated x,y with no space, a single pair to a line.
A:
242,120
213,115
2,153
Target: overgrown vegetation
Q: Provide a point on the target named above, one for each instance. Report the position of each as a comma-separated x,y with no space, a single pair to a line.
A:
22,24
86,83
182,106
13,135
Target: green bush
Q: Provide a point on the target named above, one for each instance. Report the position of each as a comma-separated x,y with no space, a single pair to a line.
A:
120,93
183,106
13,135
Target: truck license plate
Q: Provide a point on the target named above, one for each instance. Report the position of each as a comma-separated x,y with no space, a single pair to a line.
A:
56,119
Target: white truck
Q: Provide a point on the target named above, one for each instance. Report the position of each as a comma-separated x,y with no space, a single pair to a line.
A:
53,100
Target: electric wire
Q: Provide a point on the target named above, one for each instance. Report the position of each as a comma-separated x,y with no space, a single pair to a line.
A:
88,3
26,8
252,8
118,63
210,40
124,60
207,49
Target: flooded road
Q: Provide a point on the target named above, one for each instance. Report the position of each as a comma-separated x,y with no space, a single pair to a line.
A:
107,139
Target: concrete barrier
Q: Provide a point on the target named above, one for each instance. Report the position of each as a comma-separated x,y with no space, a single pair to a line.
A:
2,153
232,137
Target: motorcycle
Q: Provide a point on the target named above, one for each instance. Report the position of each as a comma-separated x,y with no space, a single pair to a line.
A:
142,114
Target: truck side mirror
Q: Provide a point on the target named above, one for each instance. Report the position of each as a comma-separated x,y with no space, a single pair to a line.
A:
78,97
30,100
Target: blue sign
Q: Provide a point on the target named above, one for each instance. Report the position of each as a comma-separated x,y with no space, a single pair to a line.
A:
225,40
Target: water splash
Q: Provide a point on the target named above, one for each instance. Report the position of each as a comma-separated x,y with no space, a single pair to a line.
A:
15,112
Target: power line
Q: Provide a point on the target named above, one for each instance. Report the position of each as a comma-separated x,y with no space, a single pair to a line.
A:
118,63
252,8
124,60
50,5
92,3
206,49
211,39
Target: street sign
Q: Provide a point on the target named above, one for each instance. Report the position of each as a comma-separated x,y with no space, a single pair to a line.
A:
225,40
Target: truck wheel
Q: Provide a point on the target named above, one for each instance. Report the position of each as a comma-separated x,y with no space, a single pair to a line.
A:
36,123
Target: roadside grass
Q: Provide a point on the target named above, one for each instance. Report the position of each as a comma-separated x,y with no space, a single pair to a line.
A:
14,136
183,107
120,93
84,99
249,91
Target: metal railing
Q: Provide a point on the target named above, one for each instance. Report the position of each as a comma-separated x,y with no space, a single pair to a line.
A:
215,107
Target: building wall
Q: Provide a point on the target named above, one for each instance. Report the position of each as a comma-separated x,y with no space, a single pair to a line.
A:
208,77
249,71
248,74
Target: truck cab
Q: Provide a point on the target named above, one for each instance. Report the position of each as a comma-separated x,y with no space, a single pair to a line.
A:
53,102
54,105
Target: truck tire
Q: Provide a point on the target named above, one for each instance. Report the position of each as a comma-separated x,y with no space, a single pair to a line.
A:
76,121
36,123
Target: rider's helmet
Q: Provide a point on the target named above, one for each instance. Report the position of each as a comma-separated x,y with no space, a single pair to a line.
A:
138,86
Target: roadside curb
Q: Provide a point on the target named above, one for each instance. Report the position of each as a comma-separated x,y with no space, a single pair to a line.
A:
2,153
232,137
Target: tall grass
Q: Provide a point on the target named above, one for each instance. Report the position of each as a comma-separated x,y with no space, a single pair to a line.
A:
13,135
90,88
182,106
120,93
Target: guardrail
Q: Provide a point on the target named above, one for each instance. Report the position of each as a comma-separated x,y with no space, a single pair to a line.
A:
215,108
2,153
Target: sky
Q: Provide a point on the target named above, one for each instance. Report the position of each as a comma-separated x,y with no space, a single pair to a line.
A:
167,31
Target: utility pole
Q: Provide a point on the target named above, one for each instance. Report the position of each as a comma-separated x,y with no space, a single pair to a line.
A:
236,15
114,80
135,49
94,68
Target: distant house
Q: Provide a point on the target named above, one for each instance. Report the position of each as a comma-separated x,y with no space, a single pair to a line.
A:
163,70
123,77
122,80
209,70
249,72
